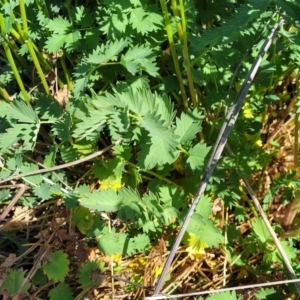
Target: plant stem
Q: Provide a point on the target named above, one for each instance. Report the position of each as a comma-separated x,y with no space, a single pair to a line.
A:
30,47
11,61
181,28
162,178
173,51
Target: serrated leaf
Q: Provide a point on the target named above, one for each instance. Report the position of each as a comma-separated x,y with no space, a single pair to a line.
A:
104,200
43,191
268,293
68,40
165,109
159,152
61,128
59,25
261,230
55,42
22,112
80,84
63,35
61,292
144,21
85,275
204,207
170,214
26,132
163,141
58,267
205,229
224,295
188,126
13,281
197,156
114,25
68,153
49,160
91,126
141,242
106,169
33,179
120,120
291,9
106,53
48,109
132,205
112,243
152,123
139,58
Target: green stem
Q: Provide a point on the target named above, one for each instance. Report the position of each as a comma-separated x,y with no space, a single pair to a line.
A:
12,62
4,94
154,174
66,73
186,57
173,50
30,47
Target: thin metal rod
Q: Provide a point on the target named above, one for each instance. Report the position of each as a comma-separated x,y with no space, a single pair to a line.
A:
243,287
218,149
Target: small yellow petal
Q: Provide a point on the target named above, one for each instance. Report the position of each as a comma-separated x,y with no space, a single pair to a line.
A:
117,258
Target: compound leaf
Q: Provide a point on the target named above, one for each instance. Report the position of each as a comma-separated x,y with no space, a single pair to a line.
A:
110,51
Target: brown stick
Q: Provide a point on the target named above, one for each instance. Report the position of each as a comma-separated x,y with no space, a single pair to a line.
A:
20,192
63,166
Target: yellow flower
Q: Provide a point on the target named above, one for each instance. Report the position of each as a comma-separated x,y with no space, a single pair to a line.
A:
258,143
156,272
247,111
138,264
117,258
111,183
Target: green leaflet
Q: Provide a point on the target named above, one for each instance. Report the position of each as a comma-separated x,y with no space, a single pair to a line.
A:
104,200
232,28
58,267
188,125
61,292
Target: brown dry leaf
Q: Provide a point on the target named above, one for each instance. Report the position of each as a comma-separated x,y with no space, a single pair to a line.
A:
62,96
9,261
94,254
19,210
217,206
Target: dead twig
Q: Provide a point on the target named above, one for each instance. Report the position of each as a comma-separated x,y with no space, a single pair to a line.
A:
22,189
63,166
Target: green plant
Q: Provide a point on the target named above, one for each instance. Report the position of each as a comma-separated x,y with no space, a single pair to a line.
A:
161,76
